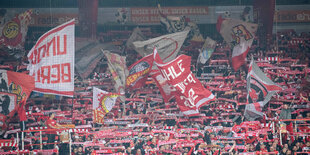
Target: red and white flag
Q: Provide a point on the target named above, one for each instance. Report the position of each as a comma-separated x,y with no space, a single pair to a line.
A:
14,32
15,89
139,71
168,46
52,61
190,93
239,35
166,90
103,102
16,83
260,90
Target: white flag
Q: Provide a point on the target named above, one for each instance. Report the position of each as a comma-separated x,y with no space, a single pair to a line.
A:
240,35
168,46
103,103
52,61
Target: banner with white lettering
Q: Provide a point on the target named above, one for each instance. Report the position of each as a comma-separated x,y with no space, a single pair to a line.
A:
191,93
51,61
165,89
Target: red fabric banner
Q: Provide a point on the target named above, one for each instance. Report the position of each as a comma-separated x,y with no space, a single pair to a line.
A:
191,94
166,90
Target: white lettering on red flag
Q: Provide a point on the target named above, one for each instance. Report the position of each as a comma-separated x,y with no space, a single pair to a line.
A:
191,93
52,61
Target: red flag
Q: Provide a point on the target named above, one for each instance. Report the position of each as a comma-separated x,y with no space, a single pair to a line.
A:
16,83
239,35
14,32
191,94
166,90
18,87
139,71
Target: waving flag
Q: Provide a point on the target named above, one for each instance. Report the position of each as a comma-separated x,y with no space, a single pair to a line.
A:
136,35
260,90
166,90
88,54
119,71
14,32
240,35
259,85
51,61
15,89
191,95
139,71
16,83
103,103
180,23
168,46
207,50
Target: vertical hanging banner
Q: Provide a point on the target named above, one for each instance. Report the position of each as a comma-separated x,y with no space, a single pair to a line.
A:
51,61
191,95
103,102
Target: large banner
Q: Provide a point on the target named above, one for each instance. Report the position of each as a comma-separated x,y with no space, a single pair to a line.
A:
103,102
52,61
151,15
191,94
292,16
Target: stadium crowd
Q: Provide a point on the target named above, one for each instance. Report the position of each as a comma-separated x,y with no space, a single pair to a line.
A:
147,125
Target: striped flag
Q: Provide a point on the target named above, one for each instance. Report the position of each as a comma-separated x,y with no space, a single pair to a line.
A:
260,90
